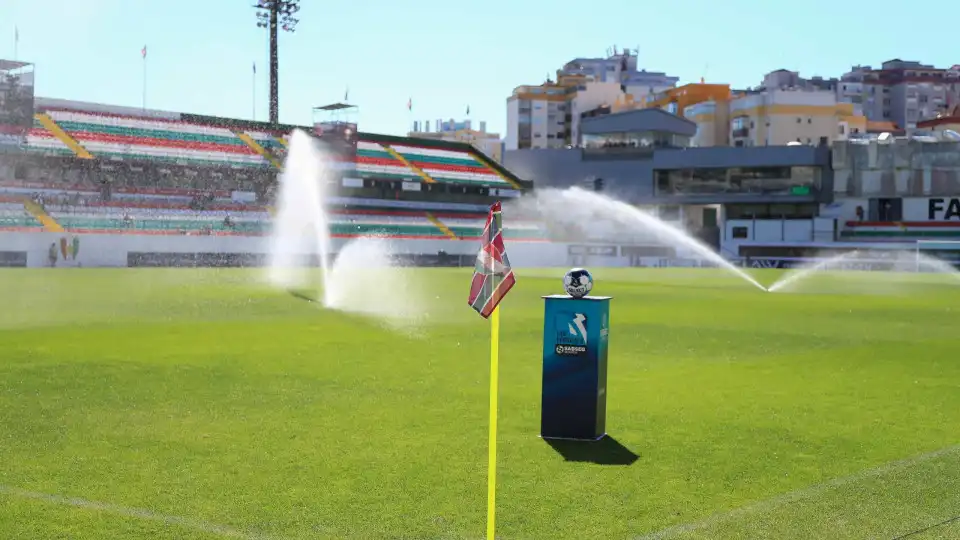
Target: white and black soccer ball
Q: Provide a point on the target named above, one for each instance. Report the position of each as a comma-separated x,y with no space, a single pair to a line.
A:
578,282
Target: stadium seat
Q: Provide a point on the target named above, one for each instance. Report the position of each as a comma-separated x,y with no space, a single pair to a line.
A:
374,160
114,136
453,167
13,216
41,141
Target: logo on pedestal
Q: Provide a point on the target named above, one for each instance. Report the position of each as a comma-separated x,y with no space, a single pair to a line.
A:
571,331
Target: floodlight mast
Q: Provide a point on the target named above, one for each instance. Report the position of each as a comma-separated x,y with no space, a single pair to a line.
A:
276,15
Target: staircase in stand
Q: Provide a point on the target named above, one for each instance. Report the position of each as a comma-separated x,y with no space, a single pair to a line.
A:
50,125
258,148
41,215
440,225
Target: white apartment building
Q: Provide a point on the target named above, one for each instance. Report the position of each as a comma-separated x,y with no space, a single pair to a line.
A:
548,115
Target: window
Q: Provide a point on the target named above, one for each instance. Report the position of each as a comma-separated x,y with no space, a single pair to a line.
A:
741,232
771,211
841,129
809,120
799,120
758,181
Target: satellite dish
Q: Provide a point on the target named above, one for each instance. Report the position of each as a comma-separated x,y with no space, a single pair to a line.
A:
885,137
794,143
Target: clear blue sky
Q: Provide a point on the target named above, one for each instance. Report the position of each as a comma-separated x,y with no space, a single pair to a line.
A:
444,55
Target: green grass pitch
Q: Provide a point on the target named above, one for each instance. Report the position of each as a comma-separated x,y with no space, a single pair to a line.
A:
195,404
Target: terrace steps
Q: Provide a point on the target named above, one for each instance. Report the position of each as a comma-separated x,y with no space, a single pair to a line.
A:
50,125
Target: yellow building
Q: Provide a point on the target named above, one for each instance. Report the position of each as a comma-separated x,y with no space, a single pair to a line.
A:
713,122
775,117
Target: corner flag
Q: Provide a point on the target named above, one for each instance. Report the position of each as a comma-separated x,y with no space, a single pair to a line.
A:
492,280
492,277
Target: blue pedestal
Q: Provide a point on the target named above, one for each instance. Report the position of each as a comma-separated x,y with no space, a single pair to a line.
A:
575,336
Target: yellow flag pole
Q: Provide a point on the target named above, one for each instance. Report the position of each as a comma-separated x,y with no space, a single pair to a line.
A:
494,390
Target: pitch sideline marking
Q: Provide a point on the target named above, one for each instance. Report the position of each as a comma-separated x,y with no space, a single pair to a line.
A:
797,495
138,513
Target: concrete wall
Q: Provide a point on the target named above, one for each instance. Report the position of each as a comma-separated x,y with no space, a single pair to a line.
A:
900,168
106,250
775,231
110,250
630,180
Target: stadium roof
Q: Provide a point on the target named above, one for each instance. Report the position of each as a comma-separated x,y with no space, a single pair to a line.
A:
8,65
334,107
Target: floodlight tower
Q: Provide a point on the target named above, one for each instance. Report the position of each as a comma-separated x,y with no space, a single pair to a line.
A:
276,15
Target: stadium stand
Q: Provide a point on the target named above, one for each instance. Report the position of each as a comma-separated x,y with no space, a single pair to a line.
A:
86,168
116,136
14,217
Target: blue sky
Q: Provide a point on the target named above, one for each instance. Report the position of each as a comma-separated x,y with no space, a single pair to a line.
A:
443,55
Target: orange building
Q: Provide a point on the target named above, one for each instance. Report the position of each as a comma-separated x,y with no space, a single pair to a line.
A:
675,100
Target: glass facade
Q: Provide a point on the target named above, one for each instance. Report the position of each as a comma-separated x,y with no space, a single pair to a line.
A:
637,139
795,180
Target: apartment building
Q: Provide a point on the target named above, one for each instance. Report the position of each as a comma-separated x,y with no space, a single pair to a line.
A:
779,116
785,109
548,115
902,92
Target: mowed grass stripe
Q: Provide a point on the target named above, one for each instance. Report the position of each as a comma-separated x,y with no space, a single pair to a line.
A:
920,493
202,393
137,514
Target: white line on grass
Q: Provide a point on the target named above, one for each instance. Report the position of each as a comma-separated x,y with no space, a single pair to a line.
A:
795,496
138,513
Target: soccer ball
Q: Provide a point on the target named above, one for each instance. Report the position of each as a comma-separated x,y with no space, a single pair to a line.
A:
578,282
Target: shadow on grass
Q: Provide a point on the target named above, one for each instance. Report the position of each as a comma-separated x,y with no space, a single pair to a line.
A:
606,451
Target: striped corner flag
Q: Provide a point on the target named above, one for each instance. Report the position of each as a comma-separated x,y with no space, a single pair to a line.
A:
492,277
